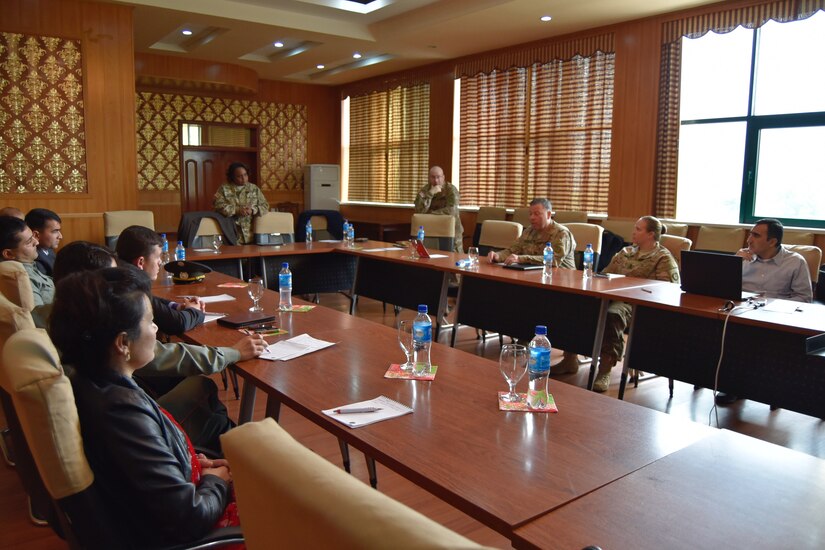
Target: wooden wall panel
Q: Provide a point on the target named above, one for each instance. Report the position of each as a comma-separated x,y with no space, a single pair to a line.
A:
105,31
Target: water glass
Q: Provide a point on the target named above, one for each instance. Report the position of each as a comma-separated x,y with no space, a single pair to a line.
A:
472,254
513,364
217,242
256,292
405,335
413,249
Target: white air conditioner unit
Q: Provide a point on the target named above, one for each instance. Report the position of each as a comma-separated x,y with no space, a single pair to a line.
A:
322,187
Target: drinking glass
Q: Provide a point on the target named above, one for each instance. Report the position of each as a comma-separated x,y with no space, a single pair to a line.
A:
472,254
513,365
413,249
256,292
217,241
405,341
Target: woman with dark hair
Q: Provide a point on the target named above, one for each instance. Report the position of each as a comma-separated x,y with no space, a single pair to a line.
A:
240,200
159,491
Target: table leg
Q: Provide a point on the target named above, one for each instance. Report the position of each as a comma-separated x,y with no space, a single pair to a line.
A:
263,271
345,455
597,343
273,407
247,402
626,363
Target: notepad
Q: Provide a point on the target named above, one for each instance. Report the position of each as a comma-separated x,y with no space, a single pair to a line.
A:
285,350
389,409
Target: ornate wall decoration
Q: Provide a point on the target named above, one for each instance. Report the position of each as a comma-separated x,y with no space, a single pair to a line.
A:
283,137
42,134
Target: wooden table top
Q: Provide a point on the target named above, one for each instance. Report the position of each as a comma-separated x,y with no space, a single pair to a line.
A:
503,468
726,490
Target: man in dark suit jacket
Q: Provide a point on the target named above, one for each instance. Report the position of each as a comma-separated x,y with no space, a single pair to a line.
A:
45,226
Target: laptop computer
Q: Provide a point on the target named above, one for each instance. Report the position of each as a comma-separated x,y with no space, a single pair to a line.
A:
713,274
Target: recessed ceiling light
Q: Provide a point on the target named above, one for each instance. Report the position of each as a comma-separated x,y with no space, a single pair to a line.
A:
319,66
186,32
278,44
546,18
356,55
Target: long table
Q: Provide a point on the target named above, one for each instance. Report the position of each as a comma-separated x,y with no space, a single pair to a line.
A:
673,334
727,490
502,468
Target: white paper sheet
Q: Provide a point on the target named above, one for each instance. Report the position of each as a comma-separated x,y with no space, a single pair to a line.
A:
284,350
212,299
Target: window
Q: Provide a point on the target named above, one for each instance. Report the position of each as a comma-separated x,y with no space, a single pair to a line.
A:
752,125
388,149
542,131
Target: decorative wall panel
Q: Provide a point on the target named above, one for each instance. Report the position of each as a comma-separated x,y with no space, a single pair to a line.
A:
42,134
283,137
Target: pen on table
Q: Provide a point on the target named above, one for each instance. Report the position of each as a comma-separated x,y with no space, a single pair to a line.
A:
647,290
353,410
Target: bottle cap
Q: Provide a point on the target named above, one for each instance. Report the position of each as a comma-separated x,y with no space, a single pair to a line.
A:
422,308
163,235
541,330
180,243
285,265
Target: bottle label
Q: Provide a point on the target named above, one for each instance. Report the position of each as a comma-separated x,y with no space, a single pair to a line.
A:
539,360
285,280
588,257
548,256
423,332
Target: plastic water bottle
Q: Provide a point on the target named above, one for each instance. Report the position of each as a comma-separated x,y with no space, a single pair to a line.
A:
164,254
548,261
587,262
421,234
422,341
538,369
180,252
351,236
345,231
285,288
309,232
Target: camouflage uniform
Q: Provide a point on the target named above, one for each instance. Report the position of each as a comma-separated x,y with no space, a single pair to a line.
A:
230,198
657,264
530,246
444,202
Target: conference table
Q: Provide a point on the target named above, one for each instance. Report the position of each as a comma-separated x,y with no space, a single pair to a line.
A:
765,358
726,490
673,334
502,468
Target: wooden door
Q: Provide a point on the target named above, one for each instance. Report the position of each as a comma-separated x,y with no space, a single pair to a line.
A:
205,170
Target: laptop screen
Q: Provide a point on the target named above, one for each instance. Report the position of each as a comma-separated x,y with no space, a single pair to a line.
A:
712,274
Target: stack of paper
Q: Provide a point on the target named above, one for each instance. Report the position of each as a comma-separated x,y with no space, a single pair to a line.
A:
285,350
370,412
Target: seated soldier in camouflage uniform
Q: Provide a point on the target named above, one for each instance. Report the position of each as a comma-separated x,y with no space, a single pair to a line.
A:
529,249
646,259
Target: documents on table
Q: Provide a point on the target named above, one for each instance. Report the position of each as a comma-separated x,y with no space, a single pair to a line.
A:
209,317
284,350
384,249
383,408
212,299
438,255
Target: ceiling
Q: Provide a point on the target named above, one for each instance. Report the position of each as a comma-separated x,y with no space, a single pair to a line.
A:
390,35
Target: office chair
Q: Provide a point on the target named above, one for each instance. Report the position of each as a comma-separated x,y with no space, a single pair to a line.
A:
117,220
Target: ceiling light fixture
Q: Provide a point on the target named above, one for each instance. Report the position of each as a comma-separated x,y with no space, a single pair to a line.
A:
319,66
186,32
278,44
356,55
546,18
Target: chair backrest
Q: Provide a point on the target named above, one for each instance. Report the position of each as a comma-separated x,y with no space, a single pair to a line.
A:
16,285
331,228
272,225
813,257
289,494
676,229
117,220
487,213
795,236
585,233
623,227
570,216
497,235
207,228
720,239
439,230
522,216
675,245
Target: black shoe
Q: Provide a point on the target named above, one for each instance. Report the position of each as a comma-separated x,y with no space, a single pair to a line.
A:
723,398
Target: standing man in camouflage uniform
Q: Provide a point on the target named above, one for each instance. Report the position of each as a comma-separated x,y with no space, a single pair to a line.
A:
440,196
240,200
646,259
529,249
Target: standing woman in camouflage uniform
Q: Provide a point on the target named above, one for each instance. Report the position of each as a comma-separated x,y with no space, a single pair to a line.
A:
646,259
240,200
